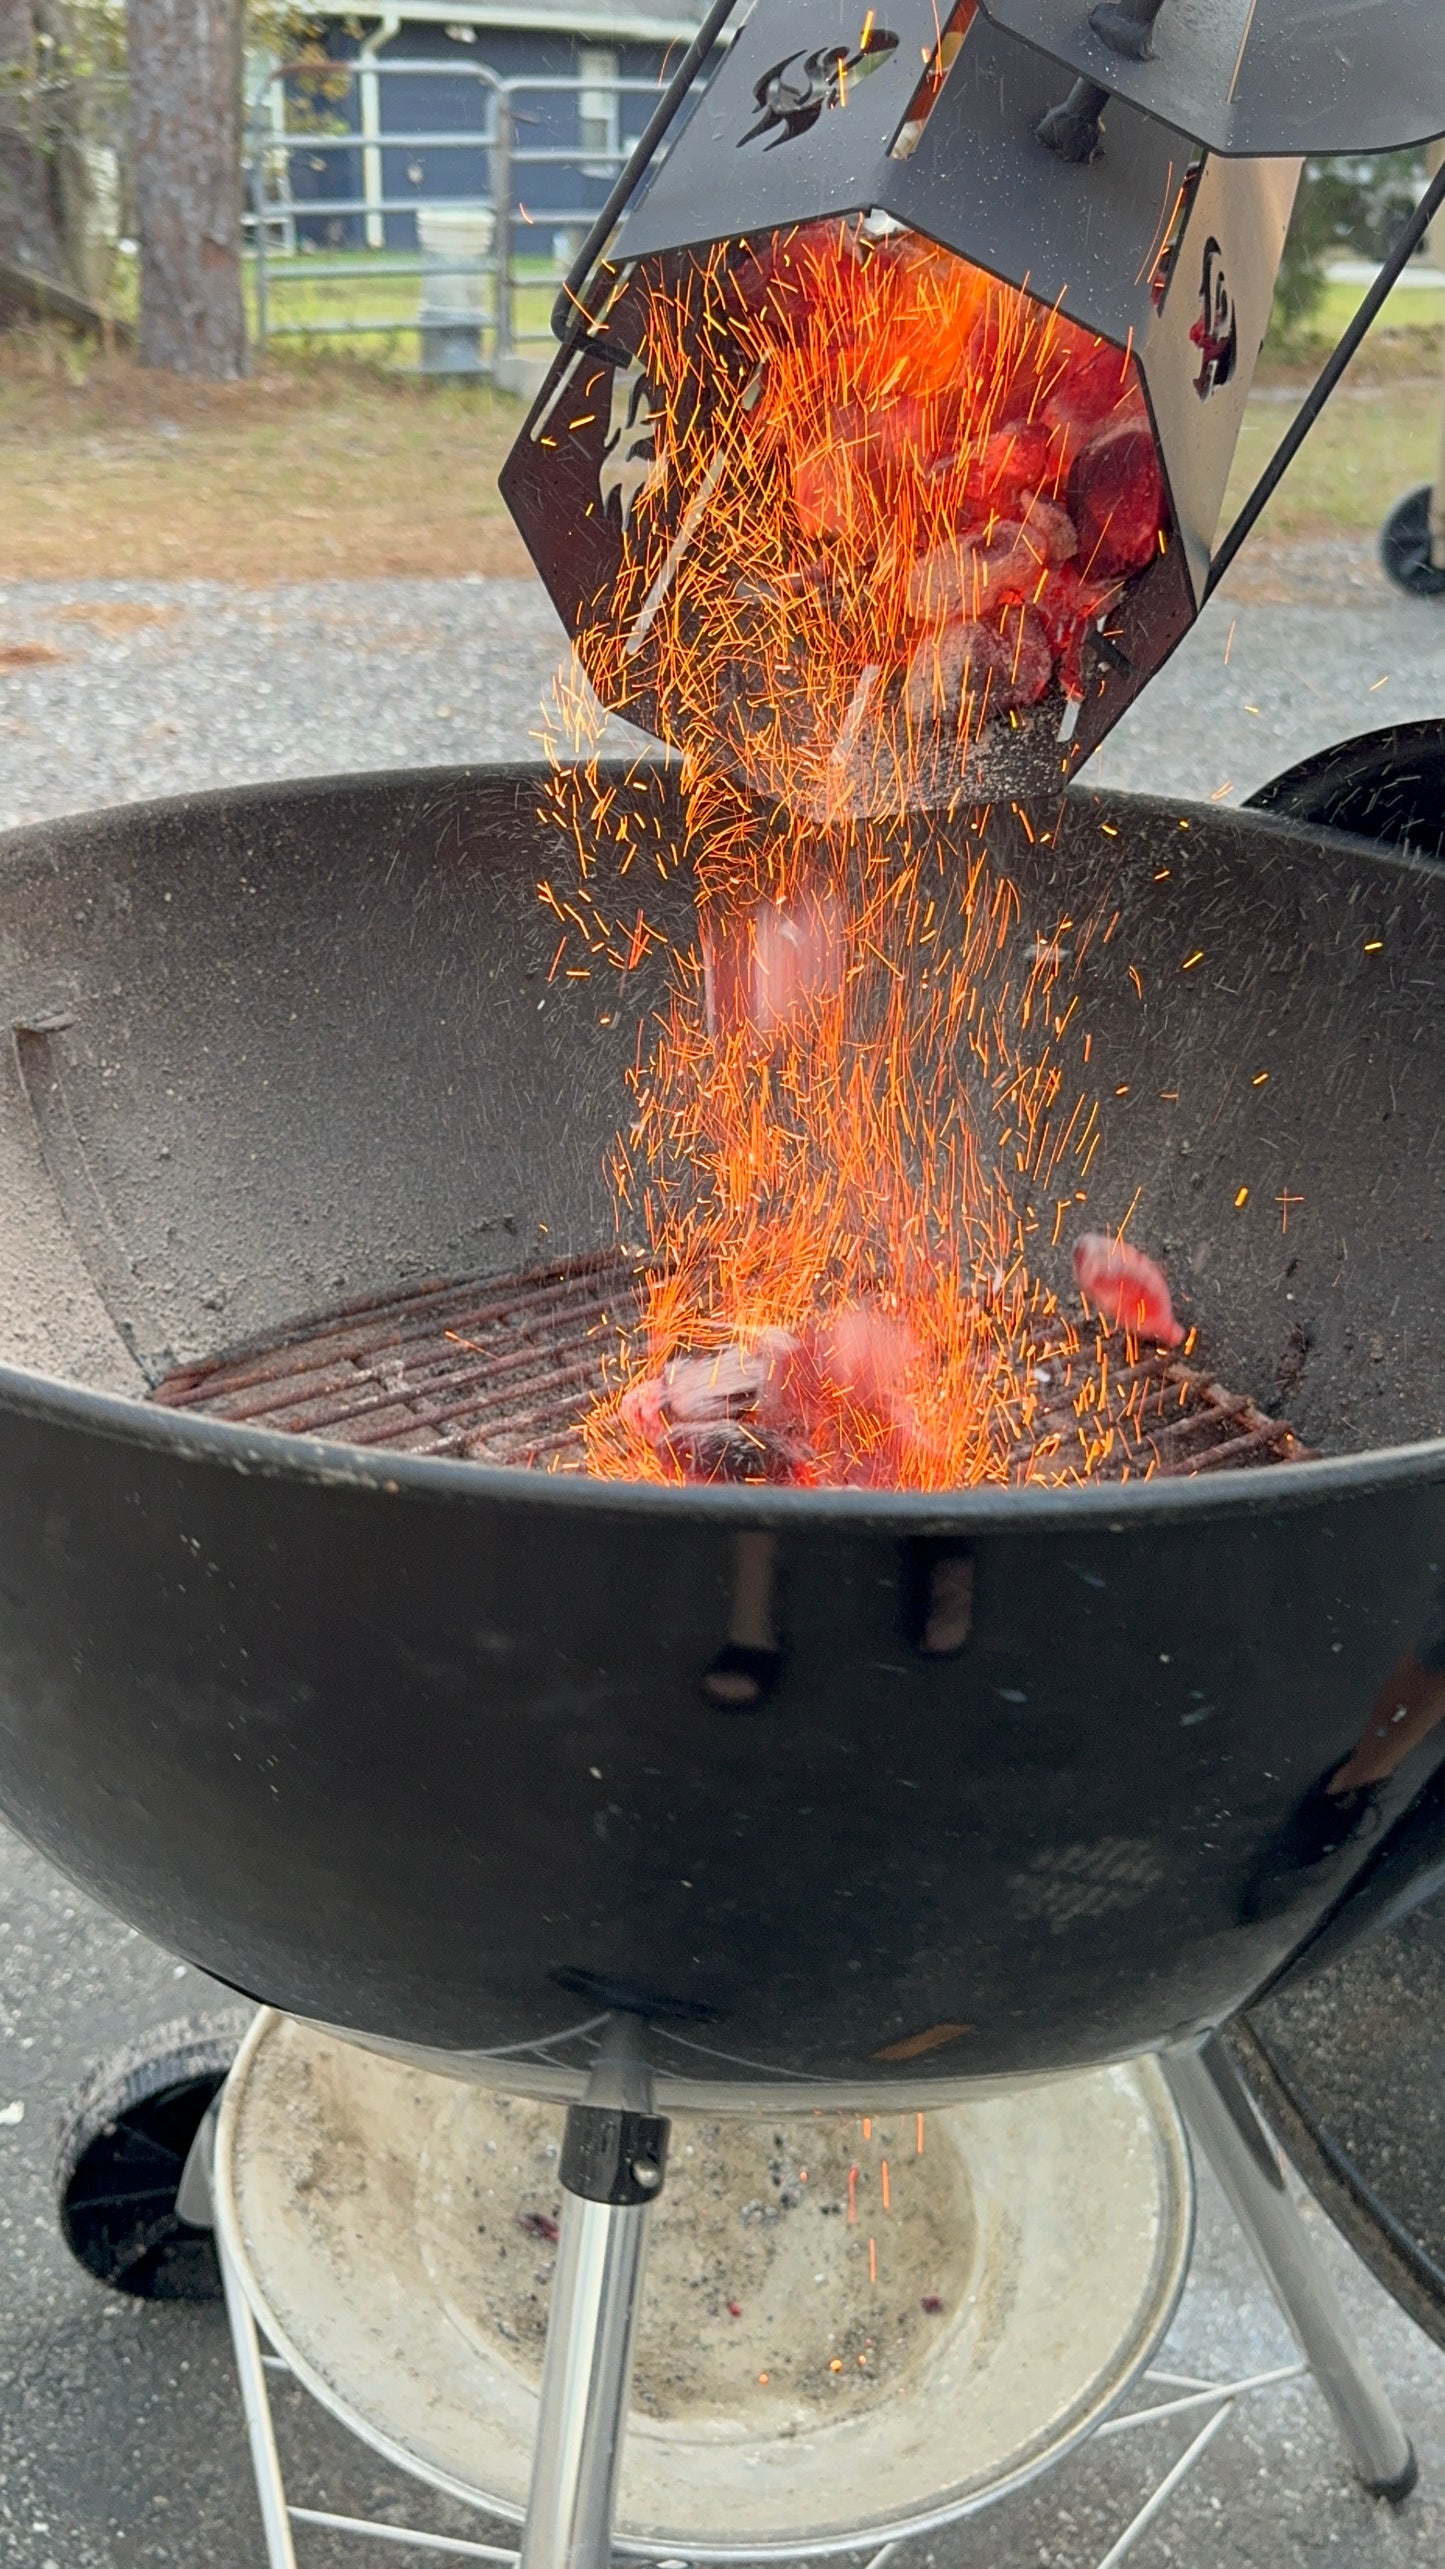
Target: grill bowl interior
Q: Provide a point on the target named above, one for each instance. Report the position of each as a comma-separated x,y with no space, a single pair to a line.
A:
283,1050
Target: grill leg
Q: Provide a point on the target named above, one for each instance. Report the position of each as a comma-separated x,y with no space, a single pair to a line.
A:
195,2202
1217,2107
613,2158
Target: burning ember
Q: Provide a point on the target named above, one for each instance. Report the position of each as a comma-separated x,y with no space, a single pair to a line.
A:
850,1402
835,1404
875,505
1126,1288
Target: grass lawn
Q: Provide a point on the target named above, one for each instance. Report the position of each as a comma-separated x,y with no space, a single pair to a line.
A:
1409,308
343,291
1378,437
336,465
313,469
389,293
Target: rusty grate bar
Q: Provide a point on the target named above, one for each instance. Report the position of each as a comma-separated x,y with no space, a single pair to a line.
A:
1160,1415
497,1372
503,1370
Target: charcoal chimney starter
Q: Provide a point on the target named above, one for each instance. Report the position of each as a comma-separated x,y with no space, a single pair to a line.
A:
833,142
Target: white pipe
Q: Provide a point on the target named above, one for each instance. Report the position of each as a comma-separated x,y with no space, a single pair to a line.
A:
369,86
1167,2486
403,2533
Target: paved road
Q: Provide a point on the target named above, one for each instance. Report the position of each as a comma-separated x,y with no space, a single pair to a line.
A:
119,2431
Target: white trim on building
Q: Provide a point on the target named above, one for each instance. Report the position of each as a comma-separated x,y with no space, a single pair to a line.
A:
590,18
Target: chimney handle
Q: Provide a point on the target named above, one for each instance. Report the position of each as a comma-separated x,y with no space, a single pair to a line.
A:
1127,26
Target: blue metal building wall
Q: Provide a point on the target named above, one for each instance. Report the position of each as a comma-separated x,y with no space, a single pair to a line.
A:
429,104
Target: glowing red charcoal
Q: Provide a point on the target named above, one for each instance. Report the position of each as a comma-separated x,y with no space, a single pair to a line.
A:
1090,385
830,490
969,577
864,1359
1016,461
831,1401
1048,530
734,1413
845,481
1004,542
958,674
969,670
1116,499
1126,1288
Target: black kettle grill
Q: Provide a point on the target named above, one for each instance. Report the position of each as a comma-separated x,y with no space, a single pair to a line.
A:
429,1749
455,1757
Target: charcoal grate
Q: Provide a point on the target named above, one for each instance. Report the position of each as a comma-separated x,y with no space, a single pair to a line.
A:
502,1371
495,1371
1160,1415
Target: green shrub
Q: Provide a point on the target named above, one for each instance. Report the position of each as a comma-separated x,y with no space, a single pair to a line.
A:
1345,208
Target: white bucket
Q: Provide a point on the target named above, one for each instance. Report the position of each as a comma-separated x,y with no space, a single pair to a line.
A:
456,242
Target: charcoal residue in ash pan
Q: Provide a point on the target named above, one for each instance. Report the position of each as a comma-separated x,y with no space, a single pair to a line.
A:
503,1371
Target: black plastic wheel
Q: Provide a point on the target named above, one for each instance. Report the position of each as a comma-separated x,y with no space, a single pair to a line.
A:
1405,547
121,2152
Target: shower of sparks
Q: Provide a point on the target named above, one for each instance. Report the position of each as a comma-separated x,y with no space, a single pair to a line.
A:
881,504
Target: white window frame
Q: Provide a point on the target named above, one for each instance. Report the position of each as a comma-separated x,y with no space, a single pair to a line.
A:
598,118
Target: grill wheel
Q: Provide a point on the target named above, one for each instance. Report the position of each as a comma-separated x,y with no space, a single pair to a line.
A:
121,2153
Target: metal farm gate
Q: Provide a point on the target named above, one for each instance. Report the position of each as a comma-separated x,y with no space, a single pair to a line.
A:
423,197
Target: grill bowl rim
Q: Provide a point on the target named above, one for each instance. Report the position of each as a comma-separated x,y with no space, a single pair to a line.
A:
272,1454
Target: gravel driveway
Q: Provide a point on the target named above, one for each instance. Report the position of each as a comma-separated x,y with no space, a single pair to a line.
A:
120,2436
112,691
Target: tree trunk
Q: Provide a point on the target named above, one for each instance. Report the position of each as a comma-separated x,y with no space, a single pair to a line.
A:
27,222
185,87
